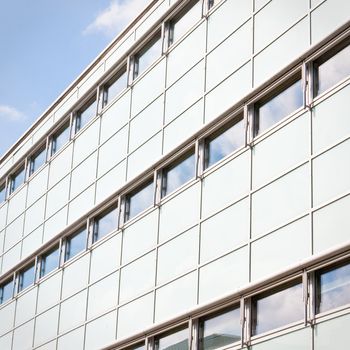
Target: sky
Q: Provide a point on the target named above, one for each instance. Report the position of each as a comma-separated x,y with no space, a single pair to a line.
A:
44,46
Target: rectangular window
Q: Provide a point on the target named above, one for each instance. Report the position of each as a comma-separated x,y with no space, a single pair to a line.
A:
49,261
17,179
173,340
60,138
277,308
138,346
37,160
179,173
223,142
332,288
147,55
332,68
26,277
6,291
85,114
75,244
2,193
114,87
185,20
139,200
220,329
212,3
273,109
105,223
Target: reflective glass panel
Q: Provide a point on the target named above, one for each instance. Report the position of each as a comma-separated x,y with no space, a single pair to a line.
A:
105,223
37,160
179,26
2,193
85,114
17,179
26,277
333,288
49,262
275,109
276,309
139,200
60,138
220,330
178,174
332,70
148,55
138,346
223,143
173,340
6,291
114,87
75,244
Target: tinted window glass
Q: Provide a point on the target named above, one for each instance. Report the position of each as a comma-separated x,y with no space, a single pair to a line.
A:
85,114
333,288
26,277
106,223
333,70
114,87
277,309
2,193
75,244
6,291
60,138
139,201
17,179
180,173
176,340
223,143
37,161
220,330
49,262
270,112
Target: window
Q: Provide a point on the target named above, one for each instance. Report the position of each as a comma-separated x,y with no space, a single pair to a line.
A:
223,142
49,261
332,288
220,329
105,223
212,3
26,277
60,138
172,340
75,244
332,68
37,160
139,200
138,346
85,114
269,112
2,193
179,173
184,21
6,291
17,179
116,85
147,55
277,308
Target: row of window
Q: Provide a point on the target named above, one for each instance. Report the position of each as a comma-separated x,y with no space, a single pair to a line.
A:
264,312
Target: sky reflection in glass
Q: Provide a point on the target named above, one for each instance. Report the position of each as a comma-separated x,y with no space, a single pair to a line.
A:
26,278
75,244
279,107
105,224
60,139
225,143
37,161
179,174
6,291
86,114
140,201
333,70
178,340
115,87
49,262
2,193
278,309
333,288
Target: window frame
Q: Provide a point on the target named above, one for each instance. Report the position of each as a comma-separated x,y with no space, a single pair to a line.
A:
172,330
81,109
66,125
47,253
33,156
3,284
67,238
20,273
11,183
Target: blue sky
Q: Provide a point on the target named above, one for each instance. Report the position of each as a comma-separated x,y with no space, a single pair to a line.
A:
44,46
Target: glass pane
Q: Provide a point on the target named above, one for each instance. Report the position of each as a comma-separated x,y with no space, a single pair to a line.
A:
2,193
333,70
106,223
278,107
138,346
220,330
17,179
85,114
213,3
75,244
115,86
333,288
220,145
176,340
148,55
181,25
37,161
6,291
277,309
26,277
139,201
49,262
60,138
178,174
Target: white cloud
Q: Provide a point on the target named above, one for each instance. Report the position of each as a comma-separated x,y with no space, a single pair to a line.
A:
10,113
115,17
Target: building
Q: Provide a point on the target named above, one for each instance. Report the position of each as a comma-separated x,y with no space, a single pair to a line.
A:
191,189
